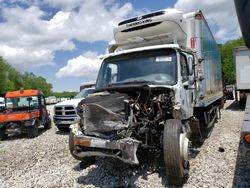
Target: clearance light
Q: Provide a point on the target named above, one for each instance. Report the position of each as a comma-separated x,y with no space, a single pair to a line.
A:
247,138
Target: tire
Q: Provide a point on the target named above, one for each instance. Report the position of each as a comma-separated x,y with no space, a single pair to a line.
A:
32,131
242,102
72,148
222,103
3,135
47,125
171,149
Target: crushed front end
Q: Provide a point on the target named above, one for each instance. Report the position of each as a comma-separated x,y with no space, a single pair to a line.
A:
116,124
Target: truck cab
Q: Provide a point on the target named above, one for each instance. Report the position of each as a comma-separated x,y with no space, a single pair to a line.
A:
161,66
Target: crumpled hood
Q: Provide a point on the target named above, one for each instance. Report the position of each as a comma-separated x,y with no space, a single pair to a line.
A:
73,102
103,115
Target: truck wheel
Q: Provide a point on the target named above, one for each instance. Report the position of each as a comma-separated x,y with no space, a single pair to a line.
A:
3,135
72,148
32,131
174,162
222,103
242,102
47,125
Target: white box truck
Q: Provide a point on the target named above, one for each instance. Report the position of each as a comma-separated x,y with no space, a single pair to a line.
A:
242,67
160,83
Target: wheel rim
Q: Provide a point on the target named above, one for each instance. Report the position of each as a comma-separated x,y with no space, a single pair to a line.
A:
184,146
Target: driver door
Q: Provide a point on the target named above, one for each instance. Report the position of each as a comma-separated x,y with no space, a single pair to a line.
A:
188,92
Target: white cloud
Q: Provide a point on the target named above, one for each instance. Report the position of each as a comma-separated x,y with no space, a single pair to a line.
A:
220,13
18,55
26,32
86,65
63,4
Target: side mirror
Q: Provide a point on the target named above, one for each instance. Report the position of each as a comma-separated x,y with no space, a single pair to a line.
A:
191,80
200,60
29,99
190,66
108,75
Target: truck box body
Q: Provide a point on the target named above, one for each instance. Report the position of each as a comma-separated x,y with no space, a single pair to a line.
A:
188,31
242,64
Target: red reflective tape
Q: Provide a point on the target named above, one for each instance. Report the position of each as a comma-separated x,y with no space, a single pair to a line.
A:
192,42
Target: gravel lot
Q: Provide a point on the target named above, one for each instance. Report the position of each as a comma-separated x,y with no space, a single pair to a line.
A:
45,161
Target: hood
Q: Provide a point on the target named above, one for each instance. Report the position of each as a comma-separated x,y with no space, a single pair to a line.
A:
73,102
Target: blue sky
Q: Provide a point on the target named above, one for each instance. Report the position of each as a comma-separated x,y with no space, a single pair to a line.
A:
60,40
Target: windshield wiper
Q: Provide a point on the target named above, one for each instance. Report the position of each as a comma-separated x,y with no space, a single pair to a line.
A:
131,82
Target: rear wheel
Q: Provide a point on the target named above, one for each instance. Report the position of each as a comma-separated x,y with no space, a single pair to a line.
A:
72,149
175,148
242,102
32,131
3,135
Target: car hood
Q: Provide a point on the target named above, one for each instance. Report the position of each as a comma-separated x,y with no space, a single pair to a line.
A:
73,102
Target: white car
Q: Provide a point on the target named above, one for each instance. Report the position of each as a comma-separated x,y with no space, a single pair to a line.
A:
65,112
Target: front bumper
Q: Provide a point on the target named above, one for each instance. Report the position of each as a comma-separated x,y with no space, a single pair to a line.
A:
66,120
123,149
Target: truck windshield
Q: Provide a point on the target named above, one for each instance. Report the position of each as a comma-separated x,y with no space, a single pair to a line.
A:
152,67
84,93
22,102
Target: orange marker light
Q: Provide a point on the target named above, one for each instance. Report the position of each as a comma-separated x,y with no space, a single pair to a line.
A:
247,138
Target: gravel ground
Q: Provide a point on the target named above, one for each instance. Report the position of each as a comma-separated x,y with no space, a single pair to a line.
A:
45,161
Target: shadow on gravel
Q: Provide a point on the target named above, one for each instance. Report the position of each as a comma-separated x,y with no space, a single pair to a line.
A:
108,172
41,130
62,132
235,106
242,168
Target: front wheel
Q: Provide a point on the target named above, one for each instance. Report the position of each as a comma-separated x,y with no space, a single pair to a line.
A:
3,135
175,150
32,130
47,125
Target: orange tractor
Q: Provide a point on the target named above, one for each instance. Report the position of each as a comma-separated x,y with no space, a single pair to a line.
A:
24,112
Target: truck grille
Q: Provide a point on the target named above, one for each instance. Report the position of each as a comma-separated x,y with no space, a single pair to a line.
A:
65,110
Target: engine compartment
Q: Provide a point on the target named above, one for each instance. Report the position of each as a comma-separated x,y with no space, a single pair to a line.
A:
137,113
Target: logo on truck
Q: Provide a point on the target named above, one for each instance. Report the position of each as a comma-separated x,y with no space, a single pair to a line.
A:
139,22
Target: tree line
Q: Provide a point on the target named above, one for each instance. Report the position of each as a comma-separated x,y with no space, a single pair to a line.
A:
227,59
11,79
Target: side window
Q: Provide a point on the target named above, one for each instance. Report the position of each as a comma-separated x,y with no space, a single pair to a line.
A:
184,67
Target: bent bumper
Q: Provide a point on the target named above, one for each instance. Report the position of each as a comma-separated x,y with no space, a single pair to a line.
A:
123,149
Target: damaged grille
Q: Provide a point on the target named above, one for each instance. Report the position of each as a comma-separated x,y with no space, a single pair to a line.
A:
103,115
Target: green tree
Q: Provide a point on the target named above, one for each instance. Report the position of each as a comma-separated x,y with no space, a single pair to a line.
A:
227,58
11,79
64,94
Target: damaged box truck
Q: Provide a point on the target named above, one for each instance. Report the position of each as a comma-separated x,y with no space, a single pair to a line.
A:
158,86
